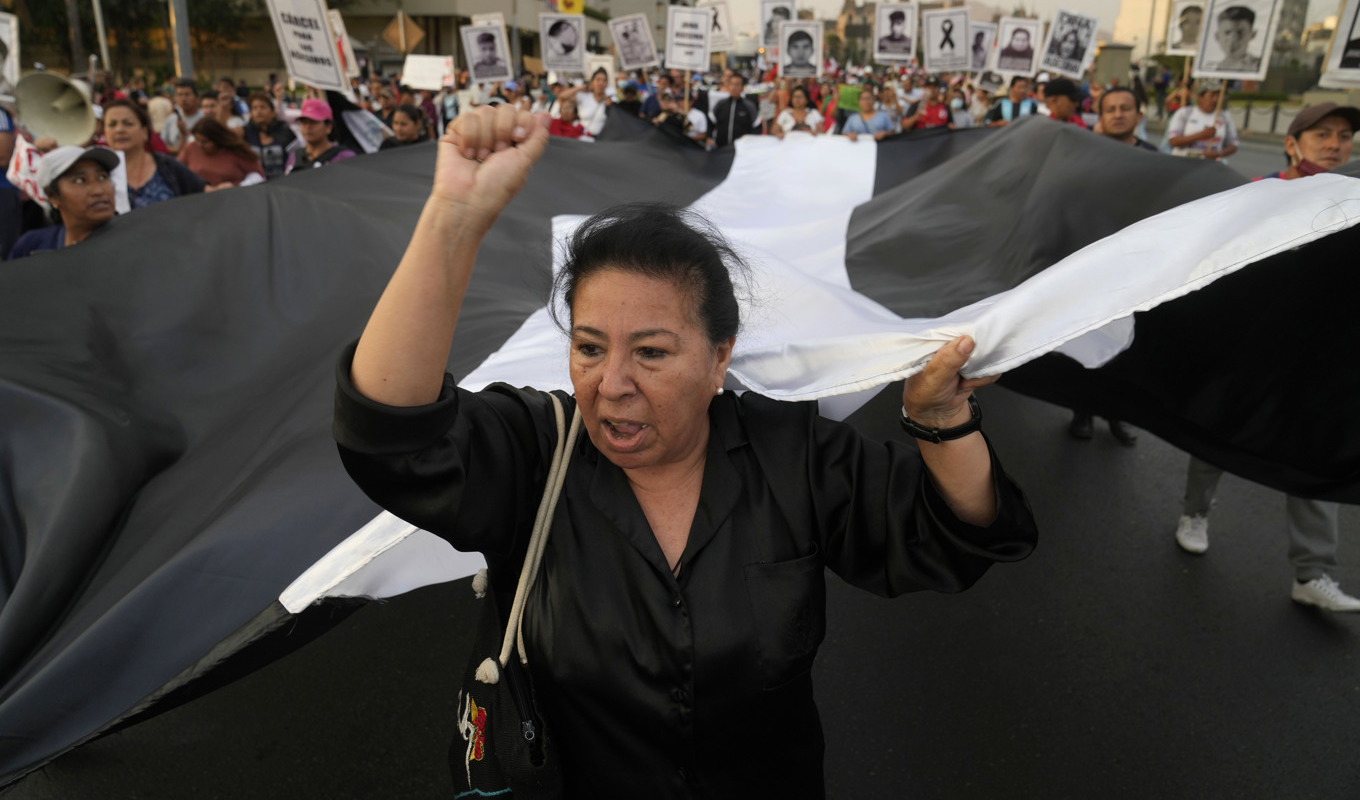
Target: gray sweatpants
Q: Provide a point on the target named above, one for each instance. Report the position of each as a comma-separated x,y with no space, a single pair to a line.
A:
1313,530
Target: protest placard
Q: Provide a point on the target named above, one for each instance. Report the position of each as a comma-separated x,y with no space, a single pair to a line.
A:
428,72
945,37
1071,45
720,26
687,38
304,35
563,40
1235,39
633,41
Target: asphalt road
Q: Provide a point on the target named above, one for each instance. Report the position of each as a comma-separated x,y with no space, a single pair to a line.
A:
1108,665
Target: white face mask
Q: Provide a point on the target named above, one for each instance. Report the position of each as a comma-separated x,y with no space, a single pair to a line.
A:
956,103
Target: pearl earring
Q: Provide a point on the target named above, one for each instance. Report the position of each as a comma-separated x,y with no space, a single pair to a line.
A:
720,391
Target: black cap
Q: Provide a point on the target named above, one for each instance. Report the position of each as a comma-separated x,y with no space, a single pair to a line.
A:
1062,87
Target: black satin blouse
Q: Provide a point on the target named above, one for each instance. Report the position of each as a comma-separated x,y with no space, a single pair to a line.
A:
657,686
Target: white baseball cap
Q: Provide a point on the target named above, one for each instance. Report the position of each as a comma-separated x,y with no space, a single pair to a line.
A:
60,161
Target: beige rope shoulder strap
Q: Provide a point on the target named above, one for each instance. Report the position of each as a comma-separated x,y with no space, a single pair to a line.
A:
489,670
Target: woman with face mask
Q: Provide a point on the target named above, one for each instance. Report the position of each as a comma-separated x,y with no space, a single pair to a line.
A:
958,109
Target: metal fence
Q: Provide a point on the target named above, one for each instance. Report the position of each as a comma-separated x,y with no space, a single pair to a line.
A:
1258,117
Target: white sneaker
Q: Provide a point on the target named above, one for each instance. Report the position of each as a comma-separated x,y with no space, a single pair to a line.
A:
1192,534
1325,594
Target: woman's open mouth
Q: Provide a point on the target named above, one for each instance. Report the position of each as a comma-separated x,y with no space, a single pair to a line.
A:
622,433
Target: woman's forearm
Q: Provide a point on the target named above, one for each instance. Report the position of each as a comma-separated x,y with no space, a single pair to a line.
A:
402,354
961,470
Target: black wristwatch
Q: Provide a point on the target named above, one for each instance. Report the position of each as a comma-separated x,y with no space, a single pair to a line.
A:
937,435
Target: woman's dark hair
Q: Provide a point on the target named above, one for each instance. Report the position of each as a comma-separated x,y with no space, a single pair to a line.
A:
137,111
599,71
802,89
224,138
661,242
413,112
260,97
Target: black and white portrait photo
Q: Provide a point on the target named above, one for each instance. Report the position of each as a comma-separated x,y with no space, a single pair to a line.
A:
720,29
1342,67
633,41
772,14
1182,34
1018,37
800,49
990,82
487,53
895,32
944,32
1071,44
1236,40
9,52
981,36
563,37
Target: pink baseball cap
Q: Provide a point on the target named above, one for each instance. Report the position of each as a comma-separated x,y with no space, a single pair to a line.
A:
316,109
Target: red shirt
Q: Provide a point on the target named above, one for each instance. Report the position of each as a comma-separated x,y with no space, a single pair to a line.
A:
571,130
933,116
1075,119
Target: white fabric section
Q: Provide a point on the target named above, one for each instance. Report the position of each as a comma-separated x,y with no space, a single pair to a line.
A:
1148,263
787,222
384,558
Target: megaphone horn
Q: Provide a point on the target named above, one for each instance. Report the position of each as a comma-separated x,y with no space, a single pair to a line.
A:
50,105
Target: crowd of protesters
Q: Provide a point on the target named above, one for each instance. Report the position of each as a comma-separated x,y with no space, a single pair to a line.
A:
183,138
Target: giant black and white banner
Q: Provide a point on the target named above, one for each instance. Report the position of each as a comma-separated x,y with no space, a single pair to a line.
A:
944,35
1071,44
687,38
1236,39
173,495
633,40
1341,70
305,40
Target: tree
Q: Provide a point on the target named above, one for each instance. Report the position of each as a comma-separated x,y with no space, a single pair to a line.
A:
835,48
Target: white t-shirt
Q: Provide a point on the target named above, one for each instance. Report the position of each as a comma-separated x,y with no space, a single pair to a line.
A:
786,121
591,112
1191,120
170,130
698,121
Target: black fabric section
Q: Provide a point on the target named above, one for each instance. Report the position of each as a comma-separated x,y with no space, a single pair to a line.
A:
1016,203
1254,373
1220,373
908,155
166,460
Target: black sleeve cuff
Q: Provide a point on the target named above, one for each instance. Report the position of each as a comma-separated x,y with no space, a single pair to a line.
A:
367,426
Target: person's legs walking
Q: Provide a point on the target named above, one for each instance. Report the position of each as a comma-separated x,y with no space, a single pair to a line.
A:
1201,482
1313,537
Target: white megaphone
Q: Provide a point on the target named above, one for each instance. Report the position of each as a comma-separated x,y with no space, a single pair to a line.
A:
50,105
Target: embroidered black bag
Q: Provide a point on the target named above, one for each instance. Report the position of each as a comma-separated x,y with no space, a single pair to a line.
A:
505,748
